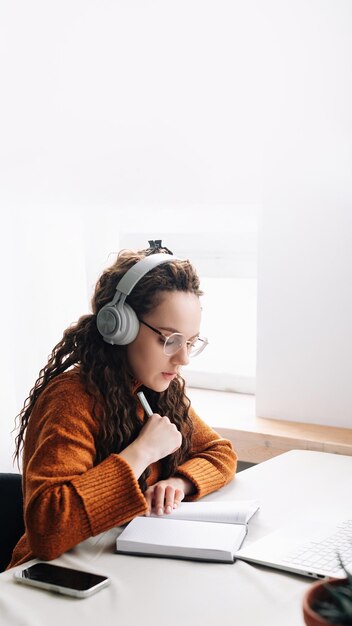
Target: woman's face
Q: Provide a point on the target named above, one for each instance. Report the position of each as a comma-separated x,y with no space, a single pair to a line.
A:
178,312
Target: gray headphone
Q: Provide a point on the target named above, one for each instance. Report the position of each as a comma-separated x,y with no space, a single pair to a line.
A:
116,321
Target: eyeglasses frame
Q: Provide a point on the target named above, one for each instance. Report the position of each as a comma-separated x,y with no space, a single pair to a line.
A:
188,343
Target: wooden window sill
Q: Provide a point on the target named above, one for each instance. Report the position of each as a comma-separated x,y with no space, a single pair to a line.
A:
257,439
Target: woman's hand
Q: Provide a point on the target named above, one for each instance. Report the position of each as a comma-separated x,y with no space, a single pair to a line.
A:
158,438
166,495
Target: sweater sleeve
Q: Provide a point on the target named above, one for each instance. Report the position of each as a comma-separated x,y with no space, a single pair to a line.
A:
67,497
212,463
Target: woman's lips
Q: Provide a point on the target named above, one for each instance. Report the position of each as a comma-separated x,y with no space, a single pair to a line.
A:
169,375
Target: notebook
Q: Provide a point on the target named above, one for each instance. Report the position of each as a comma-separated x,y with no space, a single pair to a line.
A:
207,531
304,547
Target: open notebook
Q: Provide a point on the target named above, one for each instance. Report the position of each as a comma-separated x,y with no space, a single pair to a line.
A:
210,531
307,547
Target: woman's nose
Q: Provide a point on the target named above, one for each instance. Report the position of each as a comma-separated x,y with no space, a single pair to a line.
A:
181,357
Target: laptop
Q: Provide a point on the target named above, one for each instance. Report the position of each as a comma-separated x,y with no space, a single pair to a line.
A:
305,547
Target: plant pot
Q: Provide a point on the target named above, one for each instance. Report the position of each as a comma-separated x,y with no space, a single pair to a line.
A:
316,592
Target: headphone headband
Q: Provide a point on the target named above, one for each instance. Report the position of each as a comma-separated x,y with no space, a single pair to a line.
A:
139,269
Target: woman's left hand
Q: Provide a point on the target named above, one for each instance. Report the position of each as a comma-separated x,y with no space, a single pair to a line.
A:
166,495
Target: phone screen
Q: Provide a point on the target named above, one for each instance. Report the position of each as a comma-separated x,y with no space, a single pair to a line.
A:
62,577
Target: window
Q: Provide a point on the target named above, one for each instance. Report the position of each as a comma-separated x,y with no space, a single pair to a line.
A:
229,322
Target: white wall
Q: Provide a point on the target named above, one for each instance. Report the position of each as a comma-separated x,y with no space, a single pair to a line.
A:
304,345
305,238
130,101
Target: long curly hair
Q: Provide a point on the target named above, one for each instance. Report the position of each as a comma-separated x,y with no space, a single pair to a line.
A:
104,368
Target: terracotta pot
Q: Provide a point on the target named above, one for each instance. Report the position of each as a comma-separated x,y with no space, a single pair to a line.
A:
316,592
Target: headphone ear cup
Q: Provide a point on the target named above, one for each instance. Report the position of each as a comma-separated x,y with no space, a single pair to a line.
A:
129,325
118,325
116,321
107,321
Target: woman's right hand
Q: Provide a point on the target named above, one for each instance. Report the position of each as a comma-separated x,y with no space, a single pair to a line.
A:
158,438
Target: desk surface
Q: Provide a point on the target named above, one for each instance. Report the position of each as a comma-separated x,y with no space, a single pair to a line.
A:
172,592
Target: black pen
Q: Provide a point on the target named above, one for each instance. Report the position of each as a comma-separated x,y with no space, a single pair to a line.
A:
144,402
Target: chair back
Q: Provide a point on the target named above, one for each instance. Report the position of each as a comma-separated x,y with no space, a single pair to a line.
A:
11,516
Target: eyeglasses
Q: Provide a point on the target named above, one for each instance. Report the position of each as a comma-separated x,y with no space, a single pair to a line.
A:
175,342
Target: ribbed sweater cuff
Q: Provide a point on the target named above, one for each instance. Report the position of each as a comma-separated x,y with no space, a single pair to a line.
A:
113,497
203,475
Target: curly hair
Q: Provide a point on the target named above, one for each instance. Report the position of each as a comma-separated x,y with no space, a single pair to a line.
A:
104,368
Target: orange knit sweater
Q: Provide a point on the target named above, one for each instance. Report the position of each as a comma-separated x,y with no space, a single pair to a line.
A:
68,498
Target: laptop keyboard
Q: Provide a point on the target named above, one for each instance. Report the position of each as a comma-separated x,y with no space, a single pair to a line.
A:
322,554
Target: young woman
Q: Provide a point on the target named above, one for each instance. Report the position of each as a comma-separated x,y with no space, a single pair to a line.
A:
92,458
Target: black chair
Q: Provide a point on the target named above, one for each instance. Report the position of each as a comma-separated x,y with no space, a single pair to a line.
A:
11,516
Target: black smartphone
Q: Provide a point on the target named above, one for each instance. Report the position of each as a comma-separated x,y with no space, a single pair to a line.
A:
71,582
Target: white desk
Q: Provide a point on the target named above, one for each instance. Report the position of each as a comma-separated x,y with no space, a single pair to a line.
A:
150,591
